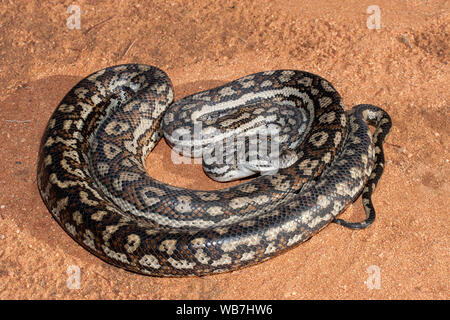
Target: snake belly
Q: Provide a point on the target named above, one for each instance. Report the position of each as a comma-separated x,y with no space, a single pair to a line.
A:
92,178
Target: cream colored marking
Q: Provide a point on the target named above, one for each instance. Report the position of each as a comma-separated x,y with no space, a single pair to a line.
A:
319,138
151,232
181,264
337,138
161,88
98,215
85,111
94,76
248,188
60,206
67,124
343,120
102,168
364,159
76,172
286,75
306,81
68,142
48,160
111,151
45,191
355,173
149,261
384,121
290,226
356,140
201,96
125,176
144,125
271,247
221,230
231,245
77,217
272,233
327,157
248,223
115,255
248,84
71,229
208,196
96,99
89,239
215,211
308,165
325,102
168,246
133,242
327,86
245,201
51,123
314,222
295,239
349,152
305,216
224,259
126,163
111,229
184,204
354,125
266,83
248,256
323,201
130,106
279,182
116,128
328,117
227,91
66,108
84,198
200,255
157,191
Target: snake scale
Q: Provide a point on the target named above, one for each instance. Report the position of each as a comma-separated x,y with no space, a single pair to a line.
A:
91,168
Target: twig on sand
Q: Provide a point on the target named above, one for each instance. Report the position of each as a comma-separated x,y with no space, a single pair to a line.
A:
18,121
128,48
96,25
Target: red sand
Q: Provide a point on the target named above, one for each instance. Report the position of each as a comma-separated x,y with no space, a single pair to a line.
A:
402,67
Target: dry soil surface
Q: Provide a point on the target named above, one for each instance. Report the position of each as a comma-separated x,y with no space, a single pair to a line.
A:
402,67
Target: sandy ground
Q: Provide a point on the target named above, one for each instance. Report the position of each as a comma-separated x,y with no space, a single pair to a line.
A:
402,67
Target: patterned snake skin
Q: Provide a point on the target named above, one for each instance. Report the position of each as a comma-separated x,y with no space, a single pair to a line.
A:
92,178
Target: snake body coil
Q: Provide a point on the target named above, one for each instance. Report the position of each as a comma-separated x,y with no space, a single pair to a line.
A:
92,178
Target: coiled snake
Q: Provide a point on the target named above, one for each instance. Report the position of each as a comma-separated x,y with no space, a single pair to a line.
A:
92,178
